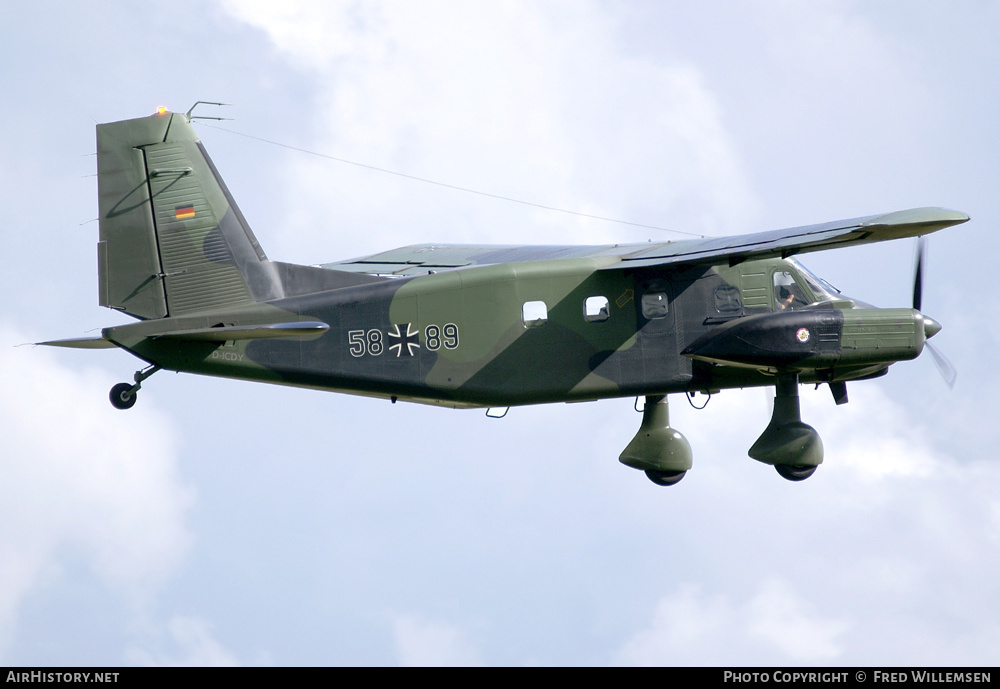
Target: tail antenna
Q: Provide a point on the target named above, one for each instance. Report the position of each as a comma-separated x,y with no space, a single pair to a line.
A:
206,117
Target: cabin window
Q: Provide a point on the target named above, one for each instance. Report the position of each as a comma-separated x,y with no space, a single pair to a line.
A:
654,305
595,309
534,314
787,293
727,300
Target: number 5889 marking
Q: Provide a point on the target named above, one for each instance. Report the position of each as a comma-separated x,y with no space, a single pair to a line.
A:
372,342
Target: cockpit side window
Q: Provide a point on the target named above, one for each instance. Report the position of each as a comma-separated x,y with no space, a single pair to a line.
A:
787,293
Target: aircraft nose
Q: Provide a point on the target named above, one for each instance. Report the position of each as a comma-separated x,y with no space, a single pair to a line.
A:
931,326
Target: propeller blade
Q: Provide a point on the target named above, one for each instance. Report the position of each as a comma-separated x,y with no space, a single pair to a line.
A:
931,327
944,367
918,275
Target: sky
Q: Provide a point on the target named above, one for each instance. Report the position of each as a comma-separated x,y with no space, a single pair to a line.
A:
226,523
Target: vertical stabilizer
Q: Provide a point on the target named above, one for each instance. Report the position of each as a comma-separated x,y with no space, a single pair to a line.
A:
173,241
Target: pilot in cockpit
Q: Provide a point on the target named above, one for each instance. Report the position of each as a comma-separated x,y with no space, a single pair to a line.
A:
788,295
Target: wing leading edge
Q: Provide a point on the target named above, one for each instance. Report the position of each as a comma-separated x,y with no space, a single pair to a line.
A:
428,258
874,228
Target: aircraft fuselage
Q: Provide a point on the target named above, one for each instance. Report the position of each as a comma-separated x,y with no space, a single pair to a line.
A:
469,337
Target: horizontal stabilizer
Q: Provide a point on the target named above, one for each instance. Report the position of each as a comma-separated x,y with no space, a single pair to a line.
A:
80,343
247,332
301,329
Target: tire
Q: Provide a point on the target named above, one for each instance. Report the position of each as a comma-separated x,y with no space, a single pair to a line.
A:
795,472
664,478
121,397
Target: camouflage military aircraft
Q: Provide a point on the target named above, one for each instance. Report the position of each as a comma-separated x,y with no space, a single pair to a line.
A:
486,326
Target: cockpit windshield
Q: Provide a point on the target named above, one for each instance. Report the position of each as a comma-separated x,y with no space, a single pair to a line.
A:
822,289
789,294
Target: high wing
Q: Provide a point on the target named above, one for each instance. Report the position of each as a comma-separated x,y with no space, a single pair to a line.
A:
874,228
422,259
427,258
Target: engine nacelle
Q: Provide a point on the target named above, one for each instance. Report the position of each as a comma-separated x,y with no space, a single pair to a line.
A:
818,338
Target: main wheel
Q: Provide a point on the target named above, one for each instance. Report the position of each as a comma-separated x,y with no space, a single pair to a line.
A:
664,478
795,472
122,397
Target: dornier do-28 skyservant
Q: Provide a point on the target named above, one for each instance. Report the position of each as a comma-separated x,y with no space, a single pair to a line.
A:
486,326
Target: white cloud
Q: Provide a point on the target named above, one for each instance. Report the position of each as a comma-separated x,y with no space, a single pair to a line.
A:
421,642
535,102
194,641
876,436
778,615
824,44
79,477
774,625
683,623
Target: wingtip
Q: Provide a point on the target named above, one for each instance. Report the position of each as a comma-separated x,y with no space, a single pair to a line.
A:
931,216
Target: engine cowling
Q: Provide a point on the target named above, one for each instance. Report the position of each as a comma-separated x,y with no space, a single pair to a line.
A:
810,339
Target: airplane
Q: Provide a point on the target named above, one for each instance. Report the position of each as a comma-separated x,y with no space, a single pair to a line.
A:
470,326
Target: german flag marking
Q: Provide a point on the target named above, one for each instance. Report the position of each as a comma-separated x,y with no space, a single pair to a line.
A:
184,212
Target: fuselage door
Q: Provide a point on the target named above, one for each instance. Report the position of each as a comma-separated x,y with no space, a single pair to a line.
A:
656,339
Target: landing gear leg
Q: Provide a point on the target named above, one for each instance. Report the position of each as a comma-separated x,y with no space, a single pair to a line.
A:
657,449
792,447
123,395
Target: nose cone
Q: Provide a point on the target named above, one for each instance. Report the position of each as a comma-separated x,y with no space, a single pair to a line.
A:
931,326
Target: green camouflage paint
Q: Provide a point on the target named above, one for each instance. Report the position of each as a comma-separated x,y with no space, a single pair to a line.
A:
480,326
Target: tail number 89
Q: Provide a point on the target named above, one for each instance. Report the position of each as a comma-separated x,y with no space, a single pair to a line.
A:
435,336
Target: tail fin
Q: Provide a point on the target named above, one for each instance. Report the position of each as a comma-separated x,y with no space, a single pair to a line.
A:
172,239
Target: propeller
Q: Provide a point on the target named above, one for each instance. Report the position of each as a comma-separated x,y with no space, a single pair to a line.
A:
944,367
931,327
918,274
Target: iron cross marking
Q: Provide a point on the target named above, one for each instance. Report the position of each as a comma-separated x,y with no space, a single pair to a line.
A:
409,340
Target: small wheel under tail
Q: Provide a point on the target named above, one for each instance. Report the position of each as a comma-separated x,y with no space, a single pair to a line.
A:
664,478
795,472
122,396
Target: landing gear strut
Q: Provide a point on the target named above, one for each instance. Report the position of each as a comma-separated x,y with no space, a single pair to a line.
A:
124,395
657,449
792,447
